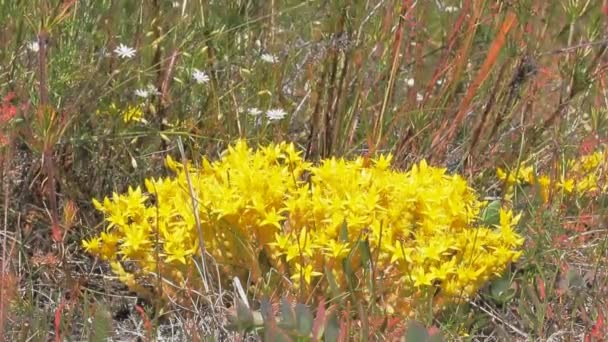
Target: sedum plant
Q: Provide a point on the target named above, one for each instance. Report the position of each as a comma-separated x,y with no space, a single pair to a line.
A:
417,235
583,176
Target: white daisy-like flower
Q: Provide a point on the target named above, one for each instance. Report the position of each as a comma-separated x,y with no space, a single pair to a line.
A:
142,93
200,76
124,51
268,58
254,111
451,9
419,97
275,114
410,82
33,46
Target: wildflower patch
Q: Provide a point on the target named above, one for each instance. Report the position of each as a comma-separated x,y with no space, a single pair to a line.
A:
416,235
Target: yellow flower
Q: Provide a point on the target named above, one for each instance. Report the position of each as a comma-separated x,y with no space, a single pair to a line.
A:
417,226
432,251
545,187
526,174
135,240
507,222
109,241
132,113
566,184
123,276
422,277
92,246
444,270
508,178
306,272
273,219
469,274
176,251
383,162
335,249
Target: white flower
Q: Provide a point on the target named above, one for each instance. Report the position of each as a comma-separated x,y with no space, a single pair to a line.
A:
419,97
275,114
33,46
142,93
200,76
268,58
124,51
254,111
409,82
151,89
451,9
146,92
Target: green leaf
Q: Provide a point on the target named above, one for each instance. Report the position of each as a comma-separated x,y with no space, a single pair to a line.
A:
333,284
344,232
266,310
244,316
332,328
348,271
491,214
501,290
101,328
435,334
288,316
319,324
305,320
416,332
575,280
366,254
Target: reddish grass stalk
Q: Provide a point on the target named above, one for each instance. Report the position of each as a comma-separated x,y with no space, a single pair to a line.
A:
405,12
57,320
443,63
164,92
146,320
446,133
489,105
47,149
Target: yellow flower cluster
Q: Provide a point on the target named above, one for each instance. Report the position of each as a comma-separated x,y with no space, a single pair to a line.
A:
421,226
133,114
584,176
588,173
130,114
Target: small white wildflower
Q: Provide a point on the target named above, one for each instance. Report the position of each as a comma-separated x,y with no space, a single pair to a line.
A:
33,46
275,114
124,51
254,111
419,97
451,9
268,58
151,89
439,82
200,76
410,82
142,93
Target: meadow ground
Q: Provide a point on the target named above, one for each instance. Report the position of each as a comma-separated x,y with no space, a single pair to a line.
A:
100,98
